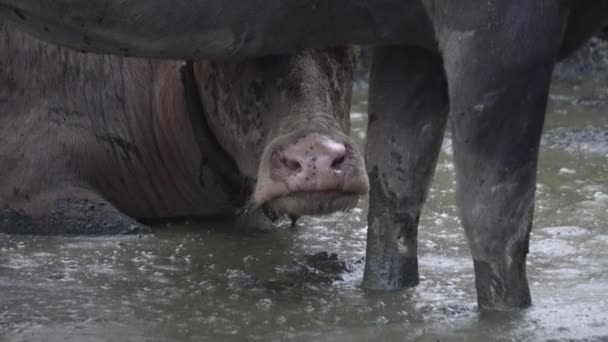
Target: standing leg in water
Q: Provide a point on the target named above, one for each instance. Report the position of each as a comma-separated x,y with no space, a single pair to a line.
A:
498,70
408,108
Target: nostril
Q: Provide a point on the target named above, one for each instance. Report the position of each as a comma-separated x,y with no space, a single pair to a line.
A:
291,164
337,163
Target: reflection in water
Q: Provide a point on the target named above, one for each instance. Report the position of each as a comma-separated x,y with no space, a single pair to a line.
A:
222,283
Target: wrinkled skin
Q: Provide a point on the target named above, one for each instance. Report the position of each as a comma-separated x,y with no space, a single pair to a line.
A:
90,143
487,63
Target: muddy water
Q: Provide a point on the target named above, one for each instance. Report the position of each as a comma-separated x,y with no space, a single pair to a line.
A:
218,282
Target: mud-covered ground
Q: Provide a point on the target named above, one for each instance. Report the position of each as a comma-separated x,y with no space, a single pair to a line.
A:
218,282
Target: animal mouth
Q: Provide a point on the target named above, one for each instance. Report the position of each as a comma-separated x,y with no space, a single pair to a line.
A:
313,202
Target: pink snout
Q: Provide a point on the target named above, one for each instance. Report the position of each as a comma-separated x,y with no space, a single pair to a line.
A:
315,167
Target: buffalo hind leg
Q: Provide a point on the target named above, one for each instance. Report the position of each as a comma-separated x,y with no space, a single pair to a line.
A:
498,73
408,107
